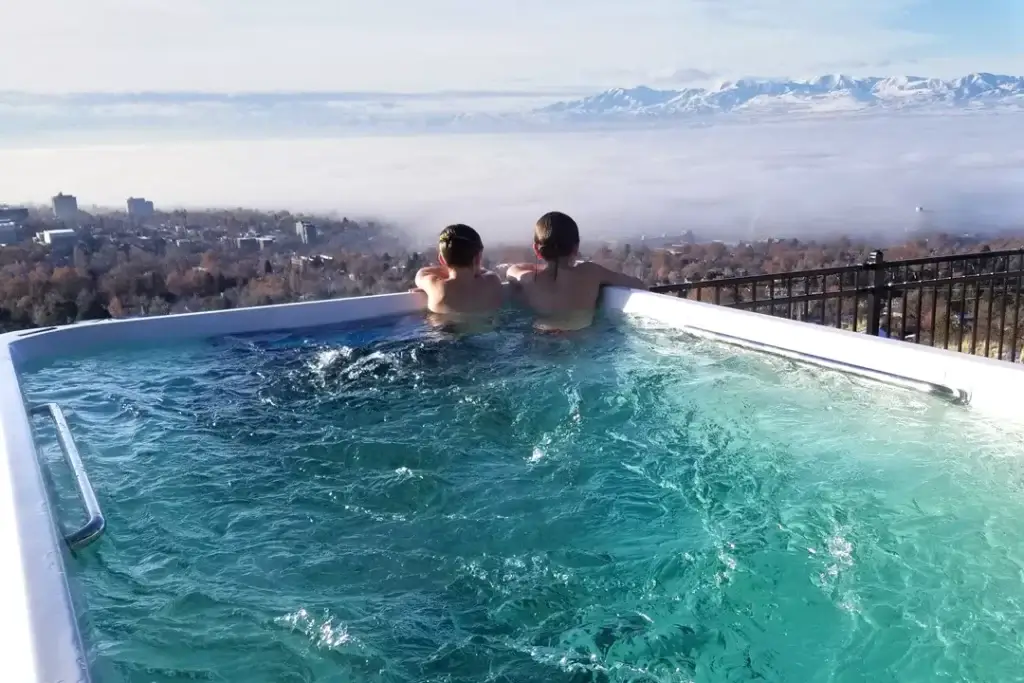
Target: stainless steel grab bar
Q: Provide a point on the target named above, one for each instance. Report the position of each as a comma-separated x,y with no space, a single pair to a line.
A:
94,526
951,394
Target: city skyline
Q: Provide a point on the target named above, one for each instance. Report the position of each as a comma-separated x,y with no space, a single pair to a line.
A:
407,46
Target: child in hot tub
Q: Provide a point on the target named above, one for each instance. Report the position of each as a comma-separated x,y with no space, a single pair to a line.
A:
562,290
458,289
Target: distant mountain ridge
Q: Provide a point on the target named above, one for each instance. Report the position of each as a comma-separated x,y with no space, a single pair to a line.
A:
833,93
143,116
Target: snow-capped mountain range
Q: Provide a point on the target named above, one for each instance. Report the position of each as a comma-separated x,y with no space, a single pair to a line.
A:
146,115
835,93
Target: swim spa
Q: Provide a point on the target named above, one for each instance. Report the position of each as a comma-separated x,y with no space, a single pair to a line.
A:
292,494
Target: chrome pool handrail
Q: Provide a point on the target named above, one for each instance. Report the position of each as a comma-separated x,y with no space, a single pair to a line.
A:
948,393
96,523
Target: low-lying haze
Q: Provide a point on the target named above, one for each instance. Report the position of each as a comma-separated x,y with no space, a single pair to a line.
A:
803,178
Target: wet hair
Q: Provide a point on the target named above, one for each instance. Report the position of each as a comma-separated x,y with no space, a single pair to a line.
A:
459,245
556,237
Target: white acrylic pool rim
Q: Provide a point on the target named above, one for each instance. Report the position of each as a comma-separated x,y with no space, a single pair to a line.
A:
42,641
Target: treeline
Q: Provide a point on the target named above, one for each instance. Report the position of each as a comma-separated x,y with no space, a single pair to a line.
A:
39,289
117,283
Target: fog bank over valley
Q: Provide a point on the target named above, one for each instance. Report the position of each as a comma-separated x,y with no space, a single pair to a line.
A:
734,181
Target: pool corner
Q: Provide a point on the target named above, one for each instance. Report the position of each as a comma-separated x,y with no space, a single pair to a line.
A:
42,642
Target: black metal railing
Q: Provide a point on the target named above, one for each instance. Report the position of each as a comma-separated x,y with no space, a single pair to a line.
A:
968,302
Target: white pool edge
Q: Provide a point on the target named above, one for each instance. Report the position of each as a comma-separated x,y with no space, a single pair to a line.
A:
19,649
42,642
987,385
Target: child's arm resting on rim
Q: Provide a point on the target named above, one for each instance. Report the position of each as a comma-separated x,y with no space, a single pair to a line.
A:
614,279
518,270
428,277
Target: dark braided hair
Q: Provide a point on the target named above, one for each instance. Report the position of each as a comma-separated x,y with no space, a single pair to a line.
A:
556,237
459,245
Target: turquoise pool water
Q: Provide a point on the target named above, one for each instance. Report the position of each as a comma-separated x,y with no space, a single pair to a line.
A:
626,504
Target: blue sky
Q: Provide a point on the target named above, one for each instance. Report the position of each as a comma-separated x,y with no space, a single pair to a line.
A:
966,28
426,45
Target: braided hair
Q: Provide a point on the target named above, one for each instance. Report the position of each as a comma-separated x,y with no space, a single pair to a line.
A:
459,245
556,237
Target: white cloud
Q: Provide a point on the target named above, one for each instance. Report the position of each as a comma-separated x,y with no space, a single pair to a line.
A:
685,76
63,45
856,176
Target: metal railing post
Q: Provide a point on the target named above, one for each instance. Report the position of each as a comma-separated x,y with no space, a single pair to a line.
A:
875,266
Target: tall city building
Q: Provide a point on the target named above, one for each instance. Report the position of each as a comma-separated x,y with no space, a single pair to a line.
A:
306,231
139,208
65,208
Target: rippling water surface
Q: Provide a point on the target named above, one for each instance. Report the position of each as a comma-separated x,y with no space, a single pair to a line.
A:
392,504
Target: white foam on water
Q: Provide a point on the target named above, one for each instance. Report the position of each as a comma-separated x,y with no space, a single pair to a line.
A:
328,357
324,633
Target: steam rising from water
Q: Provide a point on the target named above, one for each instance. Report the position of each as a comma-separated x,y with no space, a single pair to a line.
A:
806,178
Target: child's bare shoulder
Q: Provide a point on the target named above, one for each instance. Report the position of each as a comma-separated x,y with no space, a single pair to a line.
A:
590,268
492,283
